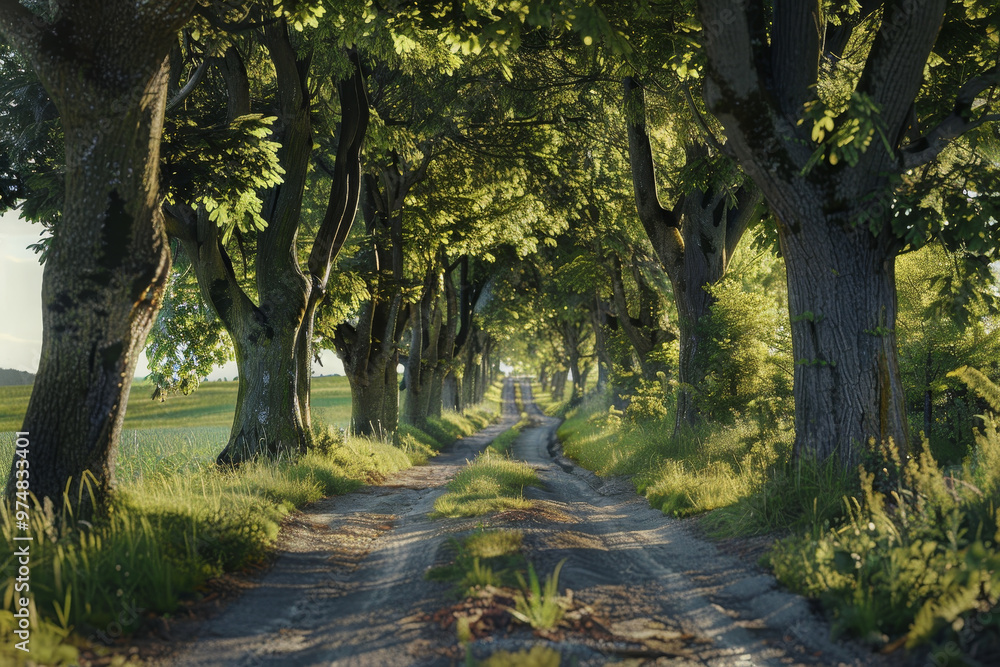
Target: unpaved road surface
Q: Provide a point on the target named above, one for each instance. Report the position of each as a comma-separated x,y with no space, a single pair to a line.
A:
349,587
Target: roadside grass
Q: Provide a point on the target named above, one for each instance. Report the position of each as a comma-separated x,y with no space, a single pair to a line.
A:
795,496
691,473
901,553
176,522
538,605
167,533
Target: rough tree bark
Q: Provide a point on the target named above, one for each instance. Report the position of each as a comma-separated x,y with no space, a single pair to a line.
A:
104,65
573,335
422,361
841,288
600,319
694,242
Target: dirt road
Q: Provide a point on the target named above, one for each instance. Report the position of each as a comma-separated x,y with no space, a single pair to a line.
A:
349,587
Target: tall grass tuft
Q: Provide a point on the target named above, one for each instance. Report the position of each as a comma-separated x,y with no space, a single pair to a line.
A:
539,606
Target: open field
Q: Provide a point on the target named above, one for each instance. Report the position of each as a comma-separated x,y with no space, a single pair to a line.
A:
212,405
180,432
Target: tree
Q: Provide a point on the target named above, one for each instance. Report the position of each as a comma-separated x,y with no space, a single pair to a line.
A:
694,239
104,65
369,346
828,111
272,334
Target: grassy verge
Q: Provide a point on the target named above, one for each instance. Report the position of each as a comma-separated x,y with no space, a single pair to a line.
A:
178,522
903,556
168,533
693,473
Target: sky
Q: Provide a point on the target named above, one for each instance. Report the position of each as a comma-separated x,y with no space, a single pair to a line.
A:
21,306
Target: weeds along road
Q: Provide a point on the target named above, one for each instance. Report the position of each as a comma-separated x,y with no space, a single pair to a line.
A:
349,587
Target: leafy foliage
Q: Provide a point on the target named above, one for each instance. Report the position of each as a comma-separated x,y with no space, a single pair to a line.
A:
746,345
938,330
223,169
187,341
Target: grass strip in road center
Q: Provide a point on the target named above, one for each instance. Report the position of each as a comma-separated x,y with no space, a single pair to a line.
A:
493,482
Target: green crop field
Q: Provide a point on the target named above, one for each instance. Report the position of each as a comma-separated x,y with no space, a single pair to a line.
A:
180,432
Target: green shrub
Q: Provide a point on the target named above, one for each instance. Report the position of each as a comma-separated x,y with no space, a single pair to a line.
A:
919,560
745,346
648,402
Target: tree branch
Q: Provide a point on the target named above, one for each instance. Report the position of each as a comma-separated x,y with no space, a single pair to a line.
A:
216,277
702,124
795,45
276,243
22,29
345,190
740,217
234,72
661,224
895,68
189,87
738,93
952,126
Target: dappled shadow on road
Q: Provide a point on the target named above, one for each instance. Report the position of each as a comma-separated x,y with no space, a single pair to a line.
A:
350,587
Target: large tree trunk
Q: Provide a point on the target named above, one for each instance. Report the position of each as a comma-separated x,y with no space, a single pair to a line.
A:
841,288
470,370
422,371
694,242
451,392
104,66
370,348
370,355
842,305
267,421
273,340
371,395
559,385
